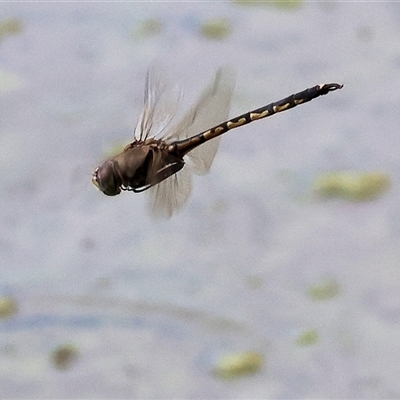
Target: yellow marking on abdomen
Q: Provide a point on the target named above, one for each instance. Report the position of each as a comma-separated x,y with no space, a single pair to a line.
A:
207,133
232,125
255,116
213,132
281,108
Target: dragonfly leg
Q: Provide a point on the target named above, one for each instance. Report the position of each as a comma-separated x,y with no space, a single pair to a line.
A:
163,173
168,170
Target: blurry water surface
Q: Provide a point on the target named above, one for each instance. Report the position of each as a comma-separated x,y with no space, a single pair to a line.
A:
256,261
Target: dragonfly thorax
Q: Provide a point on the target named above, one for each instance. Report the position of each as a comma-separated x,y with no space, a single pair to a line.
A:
140,166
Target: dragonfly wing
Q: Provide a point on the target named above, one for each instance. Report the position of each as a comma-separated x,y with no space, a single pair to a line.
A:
170,194
160,106
161,102
211,109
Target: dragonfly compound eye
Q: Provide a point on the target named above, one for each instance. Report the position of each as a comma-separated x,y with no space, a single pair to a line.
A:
105,180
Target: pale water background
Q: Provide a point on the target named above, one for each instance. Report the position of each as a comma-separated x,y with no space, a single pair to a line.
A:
153,305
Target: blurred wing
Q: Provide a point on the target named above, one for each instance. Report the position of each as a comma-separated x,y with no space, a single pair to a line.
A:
161,103
170,194
211,109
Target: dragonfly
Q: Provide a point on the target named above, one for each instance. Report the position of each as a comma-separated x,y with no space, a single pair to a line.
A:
155,160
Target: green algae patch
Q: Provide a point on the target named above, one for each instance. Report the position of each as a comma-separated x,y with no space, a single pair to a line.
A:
254,282
150,27
307,338
323,291
64,356
284,4
216,29
9,82
8,307
10,26
352,185
238,364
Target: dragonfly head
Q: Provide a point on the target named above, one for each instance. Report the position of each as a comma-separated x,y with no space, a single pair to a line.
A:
105,178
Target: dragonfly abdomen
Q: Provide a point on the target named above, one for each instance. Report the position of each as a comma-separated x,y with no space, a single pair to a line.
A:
183,147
